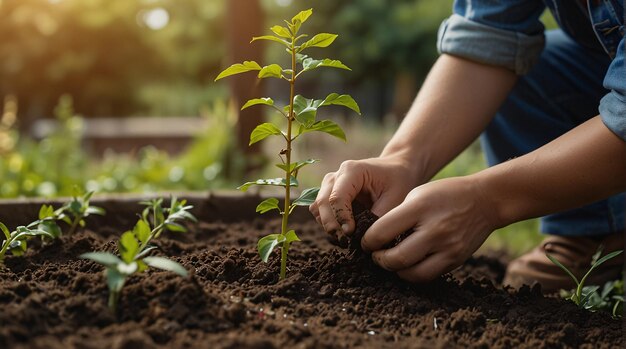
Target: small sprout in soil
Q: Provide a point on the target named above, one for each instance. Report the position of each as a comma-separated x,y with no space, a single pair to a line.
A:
78,209
16,241
134,246
583,296
300,117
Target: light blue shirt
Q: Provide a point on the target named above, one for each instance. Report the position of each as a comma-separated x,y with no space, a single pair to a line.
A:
508,33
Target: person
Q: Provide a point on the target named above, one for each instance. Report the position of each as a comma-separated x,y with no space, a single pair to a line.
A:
551,108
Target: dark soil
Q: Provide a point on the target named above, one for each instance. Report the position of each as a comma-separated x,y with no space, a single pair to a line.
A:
331,298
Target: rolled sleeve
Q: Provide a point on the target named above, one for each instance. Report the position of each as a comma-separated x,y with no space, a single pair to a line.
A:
613,105
508,34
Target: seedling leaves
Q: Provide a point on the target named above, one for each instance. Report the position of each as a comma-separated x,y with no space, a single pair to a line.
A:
281,31
326,126
295,166
128,246
302,16
165,264
239,68
319,40
105,258
271,71
307,197
310,64
344,100
267,244
270,38
263,131
5,230
560,265
277,182
265,101
267,205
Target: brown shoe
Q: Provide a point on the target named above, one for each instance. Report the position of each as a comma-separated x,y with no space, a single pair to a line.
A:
573,252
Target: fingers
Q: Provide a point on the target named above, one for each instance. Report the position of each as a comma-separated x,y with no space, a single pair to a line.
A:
348,184
389,226
410,251
428,269
322,211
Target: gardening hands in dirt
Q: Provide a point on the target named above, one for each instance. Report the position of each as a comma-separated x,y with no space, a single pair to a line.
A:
382,182
448,218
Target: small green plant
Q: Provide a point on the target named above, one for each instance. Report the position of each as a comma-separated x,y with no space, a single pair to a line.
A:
583,295
134,246
608,298
300,115
79,208
16,241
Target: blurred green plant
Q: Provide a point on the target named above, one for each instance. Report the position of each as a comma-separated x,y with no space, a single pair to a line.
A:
57,164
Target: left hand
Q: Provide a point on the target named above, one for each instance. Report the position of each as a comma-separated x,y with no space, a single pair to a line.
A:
450,218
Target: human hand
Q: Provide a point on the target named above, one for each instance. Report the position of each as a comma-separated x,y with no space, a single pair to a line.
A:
382,182
450,218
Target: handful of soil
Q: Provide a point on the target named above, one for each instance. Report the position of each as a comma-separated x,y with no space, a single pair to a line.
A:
364,218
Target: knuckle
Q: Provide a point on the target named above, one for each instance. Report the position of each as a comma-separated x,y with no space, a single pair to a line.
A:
328,178
348,166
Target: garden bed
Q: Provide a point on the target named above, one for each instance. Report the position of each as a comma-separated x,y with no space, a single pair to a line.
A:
331,298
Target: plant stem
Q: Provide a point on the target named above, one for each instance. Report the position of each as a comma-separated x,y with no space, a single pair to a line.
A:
74,225
3,251
292,81
113,299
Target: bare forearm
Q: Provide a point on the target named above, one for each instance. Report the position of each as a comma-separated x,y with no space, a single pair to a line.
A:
455,104
584,165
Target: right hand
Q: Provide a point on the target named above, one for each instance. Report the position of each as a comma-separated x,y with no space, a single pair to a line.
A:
382,182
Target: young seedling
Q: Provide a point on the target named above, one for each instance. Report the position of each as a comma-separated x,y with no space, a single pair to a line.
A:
16,241
134,246
300,116
79,208
582,294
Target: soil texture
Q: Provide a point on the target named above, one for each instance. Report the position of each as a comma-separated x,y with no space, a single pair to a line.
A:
331,298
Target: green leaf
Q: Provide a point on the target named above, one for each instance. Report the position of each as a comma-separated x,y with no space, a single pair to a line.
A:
144,252
51,227
165,264
95,210
18,247
256,101
310,64
319,40
291,237
142,230
175,227
46,211
277,182
23,232
295,166
271,38
105,258
302,16
281,31
239,68
5,230
263,131
115,280
268,205
326,126
271,71
343,100
128,246
305,109
599,262
267,244
560,265
307,197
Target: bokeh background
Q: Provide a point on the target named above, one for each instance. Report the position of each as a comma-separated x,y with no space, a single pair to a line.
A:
118,95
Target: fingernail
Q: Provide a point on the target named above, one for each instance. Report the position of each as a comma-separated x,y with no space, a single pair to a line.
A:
345,228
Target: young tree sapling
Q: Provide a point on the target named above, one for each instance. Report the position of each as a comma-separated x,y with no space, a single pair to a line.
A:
300,116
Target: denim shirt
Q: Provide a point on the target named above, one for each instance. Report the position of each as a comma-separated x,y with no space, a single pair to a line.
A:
508,33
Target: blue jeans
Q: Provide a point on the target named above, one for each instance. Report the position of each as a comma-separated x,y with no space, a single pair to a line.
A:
562,91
